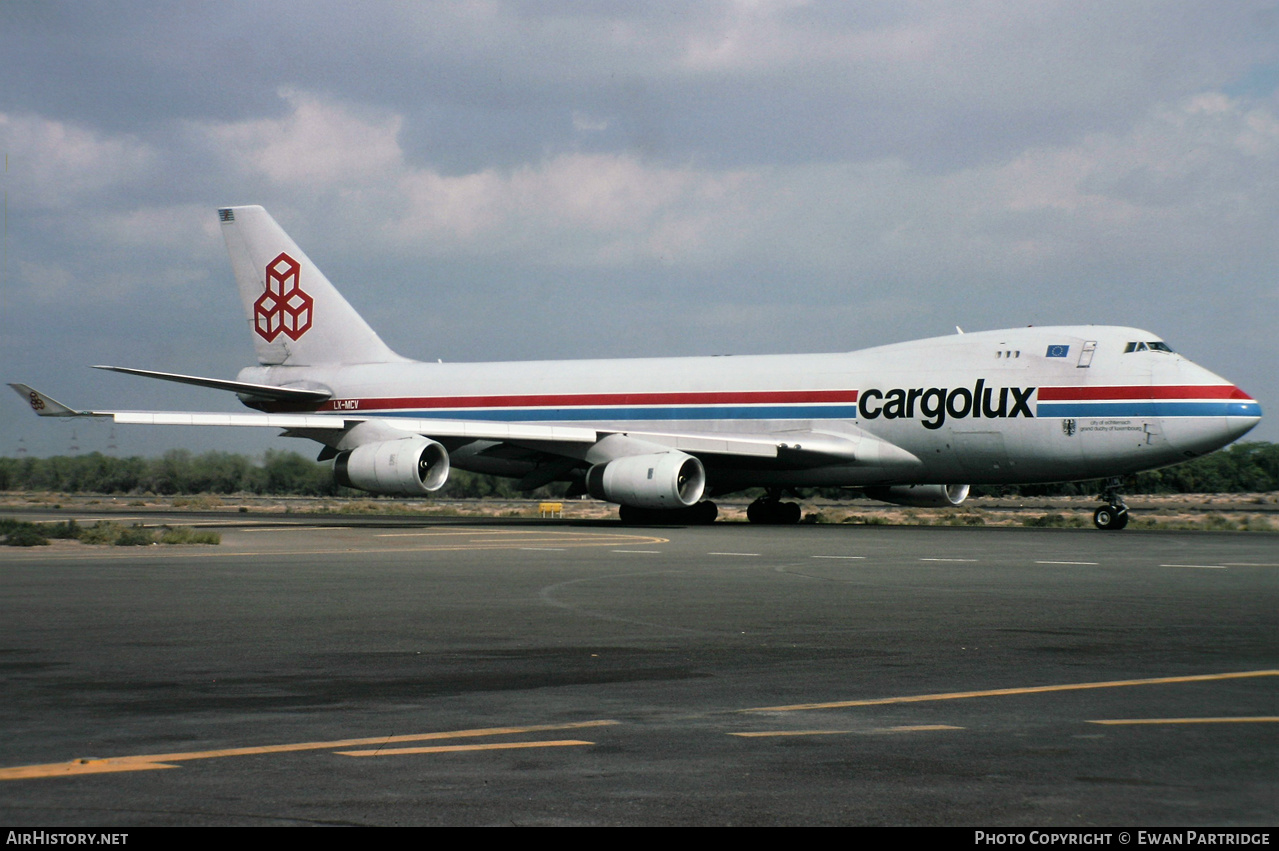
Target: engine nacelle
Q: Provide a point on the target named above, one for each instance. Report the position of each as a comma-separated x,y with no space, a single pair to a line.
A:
921,496
662,480
413,465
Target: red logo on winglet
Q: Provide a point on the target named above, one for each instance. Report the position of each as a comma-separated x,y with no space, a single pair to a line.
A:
284,306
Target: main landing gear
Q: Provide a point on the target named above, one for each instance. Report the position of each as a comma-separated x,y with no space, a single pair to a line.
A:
1114,514
701,514
769,510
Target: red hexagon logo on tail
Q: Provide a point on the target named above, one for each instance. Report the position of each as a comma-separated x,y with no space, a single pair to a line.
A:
284,306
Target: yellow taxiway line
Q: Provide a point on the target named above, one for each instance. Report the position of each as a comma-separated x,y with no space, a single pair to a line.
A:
561,743
1001,692
1255,719
912,728
495,539
151,762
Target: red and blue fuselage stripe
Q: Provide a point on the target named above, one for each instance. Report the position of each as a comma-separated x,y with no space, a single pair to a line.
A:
699,405
563,400
1192,400
1142,391
621,414
1078,401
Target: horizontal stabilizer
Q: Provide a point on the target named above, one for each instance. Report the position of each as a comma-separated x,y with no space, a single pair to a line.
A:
265,392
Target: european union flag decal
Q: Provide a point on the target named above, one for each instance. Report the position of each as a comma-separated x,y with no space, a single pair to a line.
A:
1057,351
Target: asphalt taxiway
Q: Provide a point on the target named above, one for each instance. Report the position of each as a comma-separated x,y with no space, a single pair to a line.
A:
388,671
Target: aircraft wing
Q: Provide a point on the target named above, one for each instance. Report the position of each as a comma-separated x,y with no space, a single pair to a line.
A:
850,445
46,406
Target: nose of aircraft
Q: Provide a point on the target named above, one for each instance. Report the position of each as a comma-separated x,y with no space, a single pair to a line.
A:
1209,411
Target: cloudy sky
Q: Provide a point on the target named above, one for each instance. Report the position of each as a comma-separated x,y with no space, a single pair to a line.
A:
493,181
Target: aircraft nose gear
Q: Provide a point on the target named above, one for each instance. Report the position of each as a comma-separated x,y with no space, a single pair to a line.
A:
1113,515
771,511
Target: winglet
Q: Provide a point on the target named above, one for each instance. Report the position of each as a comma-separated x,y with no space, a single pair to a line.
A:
47,406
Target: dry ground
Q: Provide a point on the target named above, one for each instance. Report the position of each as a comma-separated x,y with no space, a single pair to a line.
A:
1217,512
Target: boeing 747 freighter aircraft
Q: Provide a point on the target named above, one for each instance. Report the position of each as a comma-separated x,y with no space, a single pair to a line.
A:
912,423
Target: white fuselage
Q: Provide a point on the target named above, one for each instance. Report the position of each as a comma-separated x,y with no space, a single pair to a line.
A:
996,407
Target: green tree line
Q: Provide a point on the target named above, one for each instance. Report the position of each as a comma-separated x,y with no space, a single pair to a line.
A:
1242,468
181,472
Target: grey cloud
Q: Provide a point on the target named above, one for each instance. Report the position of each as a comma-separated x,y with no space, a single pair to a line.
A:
769,177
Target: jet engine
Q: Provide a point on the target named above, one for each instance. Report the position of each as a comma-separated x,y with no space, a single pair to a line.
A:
662,480
412,465
920,496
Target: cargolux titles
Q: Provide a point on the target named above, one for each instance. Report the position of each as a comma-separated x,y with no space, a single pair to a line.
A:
936,403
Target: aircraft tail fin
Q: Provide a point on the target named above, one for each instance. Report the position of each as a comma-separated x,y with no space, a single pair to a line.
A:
296,317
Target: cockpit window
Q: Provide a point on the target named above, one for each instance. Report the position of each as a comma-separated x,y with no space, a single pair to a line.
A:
1152,346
